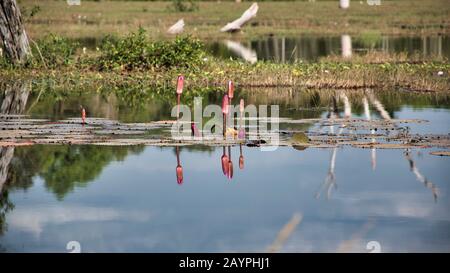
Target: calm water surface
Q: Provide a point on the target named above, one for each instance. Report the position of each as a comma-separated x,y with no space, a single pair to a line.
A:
113,199
312,48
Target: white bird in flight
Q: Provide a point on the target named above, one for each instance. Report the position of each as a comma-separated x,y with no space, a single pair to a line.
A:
238,23
177,28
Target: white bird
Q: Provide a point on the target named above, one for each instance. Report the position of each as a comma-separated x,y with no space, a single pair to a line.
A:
238,23
245,53
177,28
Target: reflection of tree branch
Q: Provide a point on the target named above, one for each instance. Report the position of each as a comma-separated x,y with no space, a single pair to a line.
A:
347,106
284,233
420,177
330,180
368,117
355,239
35,101
379,106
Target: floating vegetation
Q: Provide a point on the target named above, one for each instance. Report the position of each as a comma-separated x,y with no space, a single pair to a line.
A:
440,153
17,130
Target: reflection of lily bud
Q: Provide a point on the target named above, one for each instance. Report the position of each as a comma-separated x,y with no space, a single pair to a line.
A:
179,174
225,165
230,169
241,162
194,130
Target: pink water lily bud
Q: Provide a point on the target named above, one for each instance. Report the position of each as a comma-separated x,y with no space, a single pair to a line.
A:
83,115
179,174
230,169
225,105
225,166
230,90
180,83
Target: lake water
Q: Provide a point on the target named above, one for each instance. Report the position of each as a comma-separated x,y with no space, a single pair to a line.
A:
127,199
312,48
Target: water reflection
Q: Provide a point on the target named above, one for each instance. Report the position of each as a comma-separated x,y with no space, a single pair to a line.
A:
330,180
124,214
346,46
179,169
311,48
373,151
136,104
241,158
102,195
14,99
226,162
245,53
428,184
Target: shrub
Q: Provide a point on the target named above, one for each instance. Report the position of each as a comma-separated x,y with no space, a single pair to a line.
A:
183,6
127,53
55,51
135,51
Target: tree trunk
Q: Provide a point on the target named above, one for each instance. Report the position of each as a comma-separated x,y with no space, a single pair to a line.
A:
12,33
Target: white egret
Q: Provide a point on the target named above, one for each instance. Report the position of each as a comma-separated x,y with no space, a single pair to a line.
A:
238,23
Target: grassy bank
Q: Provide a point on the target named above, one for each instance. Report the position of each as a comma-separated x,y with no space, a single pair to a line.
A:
137,62
95,18
422,77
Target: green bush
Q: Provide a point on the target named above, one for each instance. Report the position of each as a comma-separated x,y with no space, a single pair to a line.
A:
128,53
135,51
183,5
54,50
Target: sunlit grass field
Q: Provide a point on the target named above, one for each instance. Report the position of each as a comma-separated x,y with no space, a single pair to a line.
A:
98,18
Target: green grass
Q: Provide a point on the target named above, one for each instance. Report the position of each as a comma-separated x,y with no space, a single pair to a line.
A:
214,73
96,19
